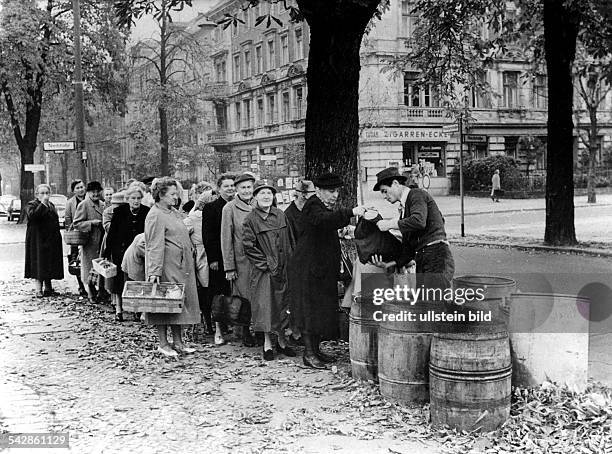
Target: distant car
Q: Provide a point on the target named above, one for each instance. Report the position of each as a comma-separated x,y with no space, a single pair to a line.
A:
14,210
5,200
60,202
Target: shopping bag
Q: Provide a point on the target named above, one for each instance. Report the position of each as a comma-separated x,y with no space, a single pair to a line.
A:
231,310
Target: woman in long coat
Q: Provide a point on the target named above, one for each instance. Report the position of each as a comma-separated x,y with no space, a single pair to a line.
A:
43,244
77,187
128,220
315,268
268,242
169,258
237,266
88,218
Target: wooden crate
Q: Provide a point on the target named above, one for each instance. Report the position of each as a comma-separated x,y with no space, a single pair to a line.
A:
104,267
151,297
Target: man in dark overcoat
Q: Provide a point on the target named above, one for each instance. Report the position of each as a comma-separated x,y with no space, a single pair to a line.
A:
211,237
315,268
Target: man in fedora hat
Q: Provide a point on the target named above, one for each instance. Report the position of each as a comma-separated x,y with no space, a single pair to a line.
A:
422,228
315,268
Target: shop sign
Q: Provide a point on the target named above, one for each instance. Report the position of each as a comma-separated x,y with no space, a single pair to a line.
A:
406,135
429,154
473,138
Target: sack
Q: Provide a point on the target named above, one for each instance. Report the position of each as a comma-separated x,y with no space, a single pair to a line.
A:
371,241
231,310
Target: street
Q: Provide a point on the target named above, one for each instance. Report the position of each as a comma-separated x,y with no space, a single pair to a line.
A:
67,366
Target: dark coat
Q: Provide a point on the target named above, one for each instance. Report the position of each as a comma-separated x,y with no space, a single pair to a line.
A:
315,268
268,243
211,236
123,229
294,218
43,244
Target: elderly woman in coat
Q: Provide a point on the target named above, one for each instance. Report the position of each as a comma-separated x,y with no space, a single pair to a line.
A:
315,268
88,219
127,221
268,243
237,266
169,258
77,187
43,244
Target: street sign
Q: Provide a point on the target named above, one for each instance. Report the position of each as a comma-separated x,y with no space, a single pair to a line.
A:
34,167
59,146
450,129
473,138
267,157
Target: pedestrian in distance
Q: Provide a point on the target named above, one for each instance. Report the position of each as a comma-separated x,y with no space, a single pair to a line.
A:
422,227
211,236
88,219
268,243
43,243
235,263
495,186
127,222
169,258
77,187
314,268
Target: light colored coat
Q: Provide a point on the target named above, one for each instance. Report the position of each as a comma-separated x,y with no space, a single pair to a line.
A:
193,221
71,207
133,259
234,259
169,255
86,213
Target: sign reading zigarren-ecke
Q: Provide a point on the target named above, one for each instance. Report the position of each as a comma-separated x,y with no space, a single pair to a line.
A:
406,135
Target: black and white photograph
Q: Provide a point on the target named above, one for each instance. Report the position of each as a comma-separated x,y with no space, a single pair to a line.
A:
306,226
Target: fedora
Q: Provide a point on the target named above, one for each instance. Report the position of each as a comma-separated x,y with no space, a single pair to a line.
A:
387,175
328,180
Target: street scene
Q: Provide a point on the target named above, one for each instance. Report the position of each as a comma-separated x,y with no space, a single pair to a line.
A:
290,226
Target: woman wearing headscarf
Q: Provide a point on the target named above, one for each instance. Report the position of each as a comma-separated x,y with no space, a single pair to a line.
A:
88,219
268,243
315,268
169,258
127,221
237,266
43,244
77,187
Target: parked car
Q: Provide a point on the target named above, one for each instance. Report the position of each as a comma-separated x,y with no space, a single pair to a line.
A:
14,210
5,201
60,202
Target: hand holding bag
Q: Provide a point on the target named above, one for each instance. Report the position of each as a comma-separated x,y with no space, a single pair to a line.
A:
231,310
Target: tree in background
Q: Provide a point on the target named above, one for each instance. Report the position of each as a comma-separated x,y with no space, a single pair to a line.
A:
36,63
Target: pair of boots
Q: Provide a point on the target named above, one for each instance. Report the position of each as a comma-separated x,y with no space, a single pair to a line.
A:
313,356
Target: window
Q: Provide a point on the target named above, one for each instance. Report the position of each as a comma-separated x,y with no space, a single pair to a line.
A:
236,74
271,54
511,92
511,146
298,103
286,107
220,71
479,98
247,64
247,113
238,124
299,45
284,39
258,60
260,112
408,20
220,114
540,92
412,96
271,109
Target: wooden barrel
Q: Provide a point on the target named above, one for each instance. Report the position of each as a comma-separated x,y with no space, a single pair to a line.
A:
363,339
403,354
470,380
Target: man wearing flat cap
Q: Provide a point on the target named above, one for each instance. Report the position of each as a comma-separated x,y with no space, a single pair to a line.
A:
315,268
422,228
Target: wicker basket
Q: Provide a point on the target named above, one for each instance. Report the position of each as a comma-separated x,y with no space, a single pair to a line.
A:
104,267
75,237
152,297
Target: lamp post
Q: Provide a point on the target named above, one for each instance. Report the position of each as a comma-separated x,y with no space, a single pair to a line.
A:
79,109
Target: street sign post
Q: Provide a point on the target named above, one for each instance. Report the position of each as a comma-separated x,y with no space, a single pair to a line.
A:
59,146
453,128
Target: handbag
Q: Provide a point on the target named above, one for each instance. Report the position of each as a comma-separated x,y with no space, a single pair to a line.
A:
74,267
231,310
370,241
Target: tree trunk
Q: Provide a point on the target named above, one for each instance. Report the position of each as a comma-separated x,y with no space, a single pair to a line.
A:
560,33
163,141
332,118
593,146
26,181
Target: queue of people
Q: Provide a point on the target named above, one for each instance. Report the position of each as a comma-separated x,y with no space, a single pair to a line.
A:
233,241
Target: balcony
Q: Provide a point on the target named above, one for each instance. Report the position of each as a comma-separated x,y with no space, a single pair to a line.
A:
215,90
217,138
403,114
